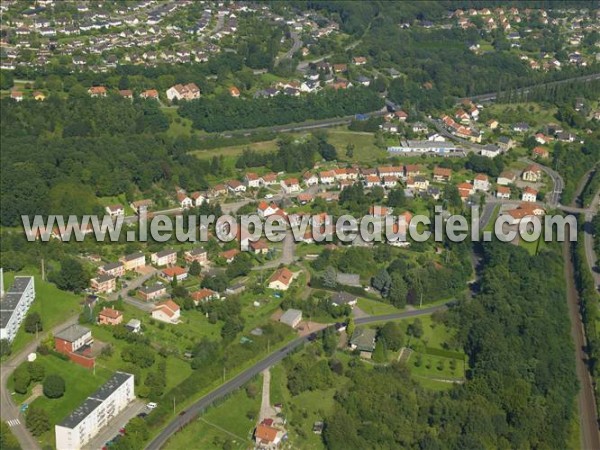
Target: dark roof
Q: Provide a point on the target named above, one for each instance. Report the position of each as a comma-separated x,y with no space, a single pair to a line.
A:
197,251
95,400
364,339
111,266
133,256
103,278
72,333
163,253
12,298
150,289
343,298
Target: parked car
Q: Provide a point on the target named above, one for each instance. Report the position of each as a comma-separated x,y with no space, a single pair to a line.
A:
151,405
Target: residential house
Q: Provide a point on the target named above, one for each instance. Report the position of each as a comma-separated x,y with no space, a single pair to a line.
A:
164,258
109,316
481,182
115,210
491,150
134,325
390,171
141,206
372,181
229,255
259,247
188,91
151,94
16,96
199,198
167,311
104,283
134,261
505,143
75,341
290,185
310,179
304,197
172,273
520,127
252,180
442,174
389,182
492,124
234,92
523,212
565,136
529,195
401,115
363,340
465,190
532,173
281,279
203,295
506,178
291,317
327,177
344,298
359,60
151,293
267,437
184,201
116,269
126,93
198,254
235,187
97,91
235,289
269,179
540,152
411,170
421,183
503,192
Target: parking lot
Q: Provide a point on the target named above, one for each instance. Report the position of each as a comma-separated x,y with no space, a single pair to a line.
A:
107,433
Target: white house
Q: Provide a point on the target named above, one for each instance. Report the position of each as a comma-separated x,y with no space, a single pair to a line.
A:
310,179
506,178
281,279
164,258
252,180
503,192
184,201
529,195
167,311
481,182
290,186
327,177
532,173
115,210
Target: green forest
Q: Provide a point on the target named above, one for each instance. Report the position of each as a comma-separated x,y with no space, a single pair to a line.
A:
521,384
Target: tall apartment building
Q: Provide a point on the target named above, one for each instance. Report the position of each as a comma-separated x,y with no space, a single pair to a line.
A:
14,305
95,413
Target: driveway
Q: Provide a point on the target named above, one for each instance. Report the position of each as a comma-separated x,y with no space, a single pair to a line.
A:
149,272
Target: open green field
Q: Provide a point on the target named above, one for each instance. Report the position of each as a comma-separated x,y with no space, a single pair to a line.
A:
375,308
236,150
178,126
365,150
53,305
227,421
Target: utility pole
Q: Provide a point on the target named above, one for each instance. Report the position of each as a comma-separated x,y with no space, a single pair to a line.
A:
173,405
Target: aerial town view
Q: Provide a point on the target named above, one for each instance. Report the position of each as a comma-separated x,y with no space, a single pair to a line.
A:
302,225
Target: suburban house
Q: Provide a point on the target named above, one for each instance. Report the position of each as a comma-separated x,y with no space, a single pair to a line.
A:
134,261
183,92
203,295
310,179
290,185
197,254
235,186
234,92
267,437
134,325
150,94
115,210
109,316
269,179
465,190
150,293
291,317
116,269
481,182
259,247
490,150
229,255
411,170
390,171
184,201
532,173
164,258
503,192
104,283
140,206
198,198
327,177
252,180
363,340
174,273
401,115
97,91
167,311
75,341
441,174
344,298
529,195
523,211
506,178
281,279
265,209
540,152
235,289
16,96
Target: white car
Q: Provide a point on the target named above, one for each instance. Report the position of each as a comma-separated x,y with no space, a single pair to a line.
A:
151,405
269,196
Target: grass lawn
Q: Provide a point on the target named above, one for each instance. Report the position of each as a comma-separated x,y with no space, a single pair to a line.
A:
178,126
365,150
53,305
79,382
375,308
119,199
235,150
533,247
226,421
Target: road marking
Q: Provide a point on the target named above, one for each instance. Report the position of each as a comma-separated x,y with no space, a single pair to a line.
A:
14,422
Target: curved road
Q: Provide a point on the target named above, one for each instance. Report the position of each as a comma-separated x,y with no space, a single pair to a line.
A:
193,411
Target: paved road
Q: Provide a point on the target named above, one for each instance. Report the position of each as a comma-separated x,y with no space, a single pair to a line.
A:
133,285
192,412
588,421
296,45
553,198
590,254
116,423
8,410
524,90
